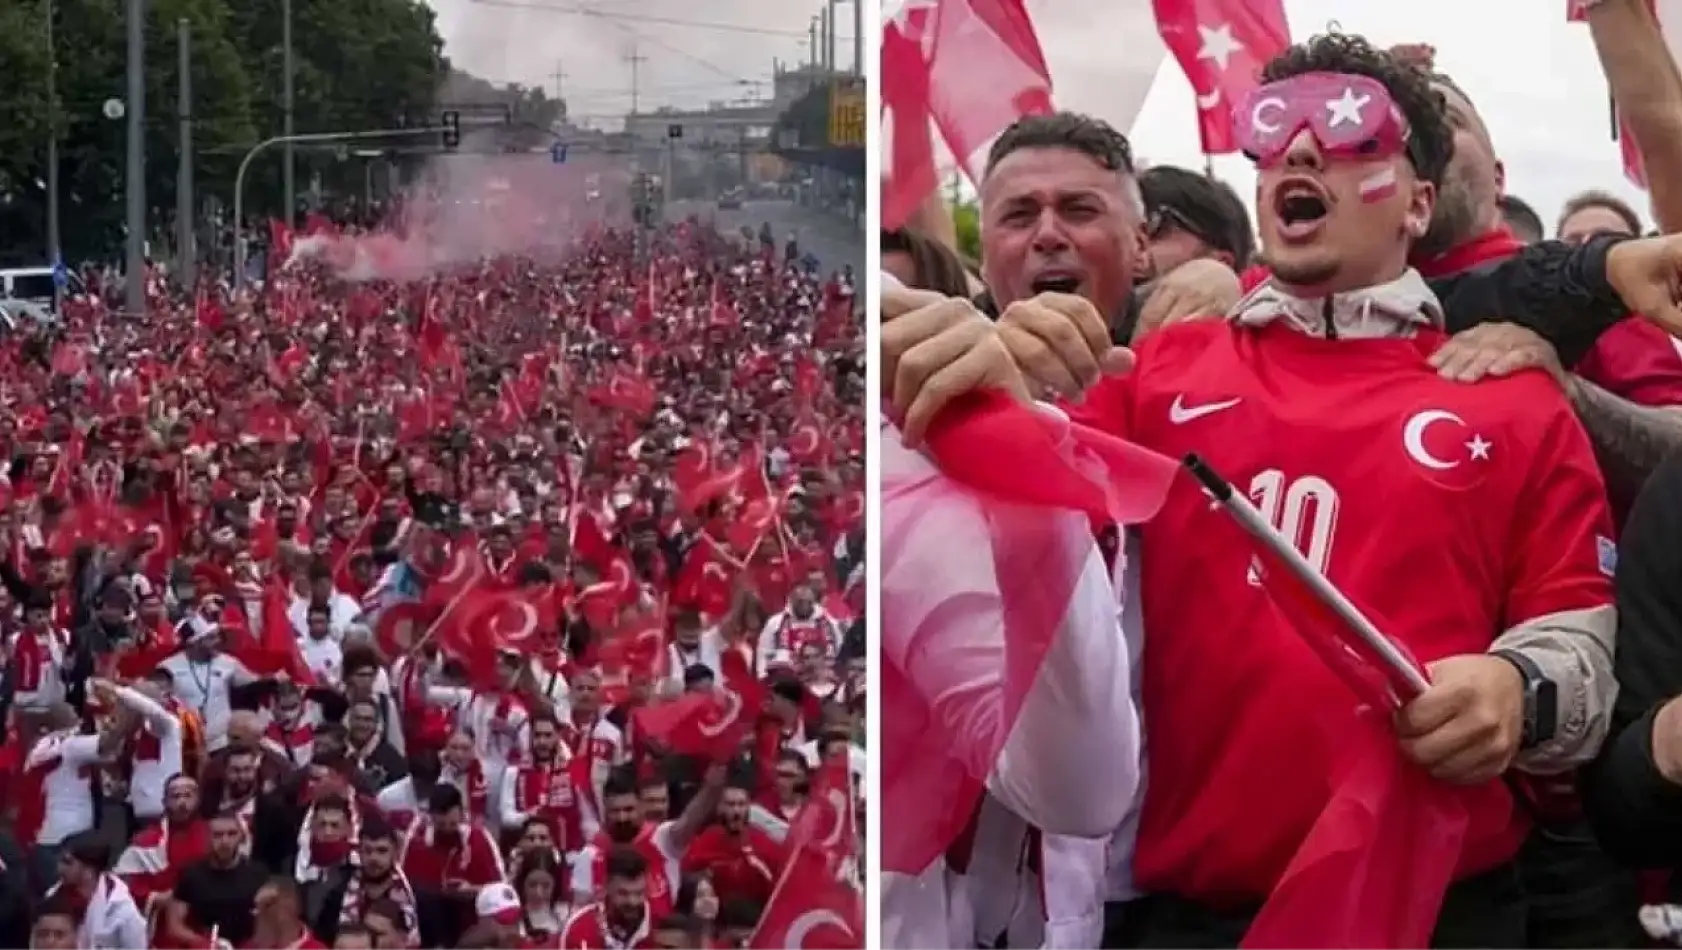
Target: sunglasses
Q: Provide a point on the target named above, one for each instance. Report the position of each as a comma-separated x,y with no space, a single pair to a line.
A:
1160,221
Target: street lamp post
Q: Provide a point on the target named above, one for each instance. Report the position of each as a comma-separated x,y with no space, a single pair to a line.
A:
287,92
55,249
135,296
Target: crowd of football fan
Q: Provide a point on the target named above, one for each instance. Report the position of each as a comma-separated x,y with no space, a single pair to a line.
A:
518,604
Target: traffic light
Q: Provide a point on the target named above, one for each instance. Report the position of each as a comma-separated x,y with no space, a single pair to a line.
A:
452,129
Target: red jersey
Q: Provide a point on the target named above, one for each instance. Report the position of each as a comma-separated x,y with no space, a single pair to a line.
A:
547,790
588,929
1449,512
742,866
665,871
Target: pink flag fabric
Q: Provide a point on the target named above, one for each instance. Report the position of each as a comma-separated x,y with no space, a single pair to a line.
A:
1376,864
1021,467
971,67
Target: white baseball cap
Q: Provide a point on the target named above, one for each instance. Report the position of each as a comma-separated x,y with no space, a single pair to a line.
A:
498,902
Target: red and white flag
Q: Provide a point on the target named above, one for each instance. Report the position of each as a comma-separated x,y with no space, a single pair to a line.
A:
810,909
1222,46
934,766
969,67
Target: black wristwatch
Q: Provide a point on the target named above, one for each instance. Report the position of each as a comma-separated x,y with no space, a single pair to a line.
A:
1541,699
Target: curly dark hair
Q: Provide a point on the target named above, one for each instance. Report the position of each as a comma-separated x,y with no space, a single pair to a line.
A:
1430,142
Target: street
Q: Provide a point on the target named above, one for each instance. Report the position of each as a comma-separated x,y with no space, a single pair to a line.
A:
835,242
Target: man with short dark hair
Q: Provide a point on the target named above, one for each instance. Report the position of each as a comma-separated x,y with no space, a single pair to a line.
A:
661,844
1191,215
1521,219
110,917
214,895
373,881
447,859
56,925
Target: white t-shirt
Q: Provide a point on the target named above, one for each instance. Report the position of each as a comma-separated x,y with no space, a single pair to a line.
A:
203,687
67,789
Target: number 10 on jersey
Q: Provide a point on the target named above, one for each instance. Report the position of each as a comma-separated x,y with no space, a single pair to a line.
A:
1303,509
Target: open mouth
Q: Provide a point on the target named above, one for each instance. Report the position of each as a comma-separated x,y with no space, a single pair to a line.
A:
1299,203
1056,282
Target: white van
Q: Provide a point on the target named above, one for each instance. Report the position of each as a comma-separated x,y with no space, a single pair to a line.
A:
34,284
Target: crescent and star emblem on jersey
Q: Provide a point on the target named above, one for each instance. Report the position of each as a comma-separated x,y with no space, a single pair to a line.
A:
812,920
1476,448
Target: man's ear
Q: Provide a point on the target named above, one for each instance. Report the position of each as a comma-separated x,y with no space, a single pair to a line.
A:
1422,201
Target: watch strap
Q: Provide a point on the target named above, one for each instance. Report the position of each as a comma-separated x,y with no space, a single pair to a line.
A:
1536,730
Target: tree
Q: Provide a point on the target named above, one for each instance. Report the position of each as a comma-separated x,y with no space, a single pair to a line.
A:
359,64
966,219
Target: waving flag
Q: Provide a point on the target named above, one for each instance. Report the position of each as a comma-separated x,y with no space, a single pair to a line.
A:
1221,45
933,770
971,67
1374,868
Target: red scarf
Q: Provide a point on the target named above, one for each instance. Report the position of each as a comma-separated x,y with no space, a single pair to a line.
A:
34,657
475,789
1491,246
398,893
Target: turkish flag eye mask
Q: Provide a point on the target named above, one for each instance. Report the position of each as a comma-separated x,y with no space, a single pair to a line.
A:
1351,116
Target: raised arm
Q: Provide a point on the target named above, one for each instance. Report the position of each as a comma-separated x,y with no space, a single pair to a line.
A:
1648,90
1560,291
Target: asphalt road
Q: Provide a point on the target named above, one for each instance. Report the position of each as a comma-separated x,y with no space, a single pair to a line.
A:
835,242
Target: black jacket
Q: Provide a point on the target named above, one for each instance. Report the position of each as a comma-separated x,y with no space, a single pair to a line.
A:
1637,814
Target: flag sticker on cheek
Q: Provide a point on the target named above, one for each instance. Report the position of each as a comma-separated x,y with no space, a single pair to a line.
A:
1379,185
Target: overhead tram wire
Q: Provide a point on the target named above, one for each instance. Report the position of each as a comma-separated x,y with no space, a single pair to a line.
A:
643,18
619,20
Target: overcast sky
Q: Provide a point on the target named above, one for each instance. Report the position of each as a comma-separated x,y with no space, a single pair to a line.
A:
686,65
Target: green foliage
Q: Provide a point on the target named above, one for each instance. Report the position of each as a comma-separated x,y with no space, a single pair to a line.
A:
359,64
966,218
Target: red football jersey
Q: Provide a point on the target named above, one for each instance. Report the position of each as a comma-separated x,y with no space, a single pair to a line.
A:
1637,361
1449,512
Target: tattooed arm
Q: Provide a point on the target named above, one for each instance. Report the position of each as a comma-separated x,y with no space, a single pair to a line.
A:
1629,440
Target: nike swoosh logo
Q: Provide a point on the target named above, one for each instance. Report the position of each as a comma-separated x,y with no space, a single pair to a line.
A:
1179,413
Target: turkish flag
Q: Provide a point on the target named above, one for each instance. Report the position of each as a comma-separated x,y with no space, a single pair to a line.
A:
705,725
811,908
275,649
1222,46
971,67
